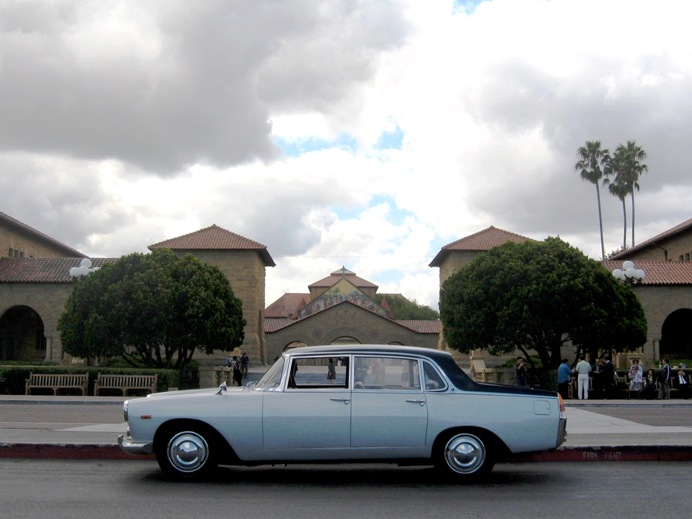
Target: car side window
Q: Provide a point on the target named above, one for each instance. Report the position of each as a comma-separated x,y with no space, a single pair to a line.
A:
432,378
374,372
318,372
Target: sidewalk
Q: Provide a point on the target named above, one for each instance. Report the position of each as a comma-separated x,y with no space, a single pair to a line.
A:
597,430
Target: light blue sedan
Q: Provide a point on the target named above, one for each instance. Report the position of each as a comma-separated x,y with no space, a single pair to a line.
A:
347,404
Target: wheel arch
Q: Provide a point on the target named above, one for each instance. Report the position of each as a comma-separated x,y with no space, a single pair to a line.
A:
224,451
497,448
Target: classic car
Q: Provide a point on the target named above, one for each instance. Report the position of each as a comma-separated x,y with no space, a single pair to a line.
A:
347,404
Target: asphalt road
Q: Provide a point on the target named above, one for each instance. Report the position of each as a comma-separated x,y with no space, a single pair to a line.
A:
52,489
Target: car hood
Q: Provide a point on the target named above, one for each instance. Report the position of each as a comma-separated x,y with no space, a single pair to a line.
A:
190,393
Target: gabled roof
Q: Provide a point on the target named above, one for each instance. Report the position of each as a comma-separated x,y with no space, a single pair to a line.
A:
338,275
286,306
684,227
42,270
481,241
22,227
658,272
215,238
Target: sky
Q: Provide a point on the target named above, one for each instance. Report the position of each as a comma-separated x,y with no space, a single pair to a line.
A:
366,134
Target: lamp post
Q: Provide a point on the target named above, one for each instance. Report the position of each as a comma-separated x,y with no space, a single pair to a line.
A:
84,269
628,274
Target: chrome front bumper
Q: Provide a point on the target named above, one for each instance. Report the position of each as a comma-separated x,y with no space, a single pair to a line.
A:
127,445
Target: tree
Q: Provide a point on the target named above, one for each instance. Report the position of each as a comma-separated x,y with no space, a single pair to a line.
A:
402,309
634,167
539,296
154,310
591,159
625,167
617,185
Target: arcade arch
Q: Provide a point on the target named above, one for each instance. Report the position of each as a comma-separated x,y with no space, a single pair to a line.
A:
676,335
22,335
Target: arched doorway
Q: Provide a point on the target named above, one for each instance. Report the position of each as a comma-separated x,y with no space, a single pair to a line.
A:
22,335
676,335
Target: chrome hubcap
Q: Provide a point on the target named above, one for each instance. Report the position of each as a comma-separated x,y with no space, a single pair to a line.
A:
465,454
187,451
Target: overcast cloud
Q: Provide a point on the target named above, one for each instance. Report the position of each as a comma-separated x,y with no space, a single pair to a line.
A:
359,133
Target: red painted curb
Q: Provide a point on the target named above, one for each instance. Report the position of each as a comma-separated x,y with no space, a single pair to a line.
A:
66,451
623,453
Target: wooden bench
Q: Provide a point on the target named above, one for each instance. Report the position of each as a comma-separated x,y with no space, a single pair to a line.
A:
125,383
57,381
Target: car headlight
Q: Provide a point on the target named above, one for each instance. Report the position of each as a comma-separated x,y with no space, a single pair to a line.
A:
125,404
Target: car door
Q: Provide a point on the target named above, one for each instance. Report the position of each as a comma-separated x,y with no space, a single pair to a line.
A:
312,411
388,406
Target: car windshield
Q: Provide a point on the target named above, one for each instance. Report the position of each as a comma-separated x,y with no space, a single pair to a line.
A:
272,378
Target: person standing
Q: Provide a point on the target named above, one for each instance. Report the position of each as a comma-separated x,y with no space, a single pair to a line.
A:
520,373
564,373
237,372
331,370
244,363
583,369
636,376
664,381
609,382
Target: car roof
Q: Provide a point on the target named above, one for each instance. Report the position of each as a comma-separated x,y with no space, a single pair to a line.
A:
349,349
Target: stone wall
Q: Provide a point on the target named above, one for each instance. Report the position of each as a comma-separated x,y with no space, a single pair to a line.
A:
245,271
25,246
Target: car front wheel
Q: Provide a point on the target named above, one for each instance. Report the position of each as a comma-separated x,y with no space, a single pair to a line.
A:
186,453
464,456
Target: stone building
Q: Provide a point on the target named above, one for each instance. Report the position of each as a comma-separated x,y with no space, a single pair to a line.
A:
665,293
338,309
243,262
35,284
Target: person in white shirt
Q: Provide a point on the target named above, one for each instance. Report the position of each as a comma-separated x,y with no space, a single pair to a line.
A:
683,385
583,369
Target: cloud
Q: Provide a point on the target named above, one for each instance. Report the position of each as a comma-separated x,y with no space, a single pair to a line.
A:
359,133
165,85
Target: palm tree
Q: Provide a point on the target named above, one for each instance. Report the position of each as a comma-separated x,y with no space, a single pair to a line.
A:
615,179
633,170
591,158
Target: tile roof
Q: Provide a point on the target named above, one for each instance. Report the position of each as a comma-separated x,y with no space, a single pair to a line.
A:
37,234
286,306
478,242
42,270
653,242
658,272
338,275
215,238
422,326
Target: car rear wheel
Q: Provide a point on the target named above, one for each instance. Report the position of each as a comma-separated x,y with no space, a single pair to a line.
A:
464,456
186,453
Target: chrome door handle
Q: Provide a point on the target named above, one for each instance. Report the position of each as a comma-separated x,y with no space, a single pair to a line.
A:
344,400
421,402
